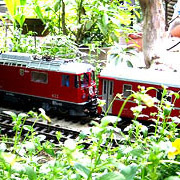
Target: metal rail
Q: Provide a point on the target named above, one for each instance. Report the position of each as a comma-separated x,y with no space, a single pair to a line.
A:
49,131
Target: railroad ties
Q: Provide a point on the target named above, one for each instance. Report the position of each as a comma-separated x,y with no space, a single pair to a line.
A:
49,131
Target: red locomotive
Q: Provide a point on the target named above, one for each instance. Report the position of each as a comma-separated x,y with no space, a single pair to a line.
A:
64,86
125,81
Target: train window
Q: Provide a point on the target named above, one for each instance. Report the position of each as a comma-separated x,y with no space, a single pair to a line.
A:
76,81
39,77
84,80
111,88
127,90
159,95
65,80
105,87
93,76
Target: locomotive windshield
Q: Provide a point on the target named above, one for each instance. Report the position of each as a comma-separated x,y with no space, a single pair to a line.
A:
92,76
84,80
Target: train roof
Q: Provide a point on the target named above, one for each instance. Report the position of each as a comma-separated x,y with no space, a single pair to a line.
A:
147,76
58,65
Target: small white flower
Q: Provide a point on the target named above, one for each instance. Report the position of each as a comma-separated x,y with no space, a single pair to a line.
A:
70,144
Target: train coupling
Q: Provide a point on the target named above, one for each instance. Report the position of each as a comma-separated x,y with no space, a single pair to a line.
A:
91,107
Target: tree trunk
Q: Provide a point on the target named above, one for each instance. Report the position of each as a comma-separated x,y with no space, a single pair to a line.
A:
63,18
153,29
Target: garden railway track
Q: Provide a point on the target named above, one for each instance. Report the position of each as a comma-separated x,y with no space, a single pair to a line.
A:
49,131
68,127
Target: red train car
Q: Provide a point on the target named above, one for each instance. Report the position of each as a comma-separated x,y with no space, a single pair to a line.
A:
65,86
125,81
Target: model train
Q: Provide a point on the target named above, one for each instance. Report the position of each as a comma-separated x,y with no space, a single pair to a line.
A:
70,87
62,85
114,80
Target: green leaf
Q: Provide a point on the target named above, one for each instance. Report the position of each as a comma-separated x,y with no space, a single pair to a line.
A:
20,19
112,176
12,114
129,172
82,170
48,148
176,95
37,9
23,2
31,173
172,178
89,25
167,111
129,63
57,5
137,152
102,27
28,128
22,115
11,6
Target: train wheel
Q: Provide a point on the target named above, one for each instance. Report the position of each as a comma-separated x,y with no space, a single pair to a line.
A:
46,107
63,111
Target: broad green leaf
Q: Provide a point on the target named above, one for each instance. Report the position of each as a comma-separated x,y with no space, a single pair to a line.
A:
31,173
112,176
12,6
176,95
28,128
129,172
82,170
167,111
12,114
37,9
88,25
57,5
173,178
137,152
22,115
49,149
102,28
23,2
21,19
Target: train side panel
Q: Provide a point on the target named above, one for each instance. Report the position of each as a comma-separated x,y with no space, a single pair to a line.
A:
27,82
124,89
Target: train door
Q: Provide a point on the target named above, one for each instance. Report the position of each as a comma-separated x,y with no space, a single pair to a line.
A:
107,94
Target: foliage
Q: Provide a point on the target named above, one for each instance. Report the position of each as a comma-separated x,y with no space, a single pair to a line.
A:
84,21
136,154
16,9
